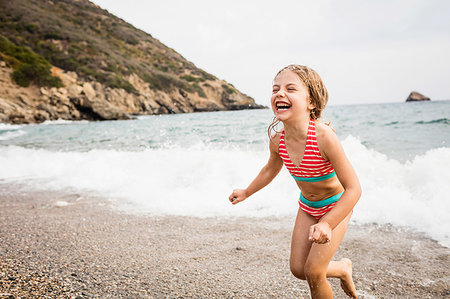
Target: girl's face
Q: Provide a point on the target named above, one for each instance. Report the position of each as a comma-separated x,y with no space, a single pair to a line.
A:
290,98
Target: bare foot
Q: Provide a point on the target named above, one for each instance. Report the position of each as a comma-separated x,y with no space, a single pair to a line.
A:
347,281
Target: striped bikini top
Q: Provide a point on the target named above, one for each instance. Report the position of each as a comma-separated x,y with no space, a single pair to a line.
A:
313,167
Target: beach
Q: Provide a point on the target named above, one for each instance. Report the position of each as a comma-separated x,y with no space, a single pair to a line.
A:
69,245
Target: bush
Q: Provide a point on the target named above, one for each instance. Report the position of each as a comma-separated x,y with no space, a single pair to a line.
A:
165,81
53,34
115,81
21,78
206,76
32,28
152,81
37,73
52,81
29,67
228,89
11,61
191,78
197,88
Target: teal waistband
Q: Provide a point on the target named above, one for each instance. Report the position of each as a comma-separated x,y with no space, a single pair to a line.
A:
320,203
315,179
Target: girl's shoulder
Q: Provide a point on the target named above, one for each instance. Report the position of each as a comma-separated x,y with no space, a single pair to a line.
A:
274,141
326,135
324,130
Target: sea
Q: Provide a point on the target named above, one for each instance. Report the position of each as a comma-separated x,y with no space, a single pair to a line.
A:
188,164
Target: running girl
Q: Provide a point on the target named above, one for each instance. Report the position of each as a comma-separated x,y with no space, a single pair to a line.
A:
329,187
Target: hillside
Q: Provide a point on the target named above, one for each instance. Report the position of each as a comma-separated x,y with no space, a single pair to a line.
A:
70,59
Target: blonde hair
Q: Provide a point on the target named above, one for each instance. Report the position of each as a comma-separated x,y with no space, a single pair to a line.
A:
317,92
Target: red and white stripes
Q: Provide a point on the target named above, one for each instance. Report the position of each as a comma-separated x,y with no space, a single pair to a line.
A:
316,212
313,164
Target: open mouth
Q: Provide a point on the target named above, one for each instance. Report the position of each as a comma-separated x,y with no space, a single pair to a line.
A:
282,106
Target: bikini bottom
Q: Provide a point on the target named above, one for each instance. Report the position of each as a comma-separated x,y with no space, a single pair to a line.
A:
318,208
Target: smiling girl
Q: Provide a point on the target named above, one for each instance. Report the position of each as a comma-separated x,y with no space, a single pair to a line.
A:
329,187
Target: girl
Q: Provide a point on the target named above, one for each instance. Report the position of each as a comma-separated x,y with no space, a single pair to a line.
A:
329,187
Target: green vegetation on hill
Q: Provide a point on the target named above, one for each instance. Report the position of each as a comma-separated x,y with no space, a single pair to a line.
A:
77,35
28,66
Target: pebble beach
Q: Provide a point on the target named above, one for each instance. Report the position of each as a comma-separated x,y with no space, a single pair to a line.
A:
67,245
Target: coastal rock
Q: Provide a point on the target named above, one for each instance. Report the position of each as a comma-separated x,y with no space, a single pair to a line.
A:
414,96
89,91
94,101
50,110
74,90
235,101
102,110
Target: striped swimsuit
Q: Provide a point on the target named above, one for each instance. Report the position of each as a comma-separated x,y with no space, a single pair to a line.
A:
312,168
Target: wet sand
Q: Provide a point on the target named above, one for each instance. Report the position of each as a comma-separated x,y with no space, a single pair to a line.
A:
62,245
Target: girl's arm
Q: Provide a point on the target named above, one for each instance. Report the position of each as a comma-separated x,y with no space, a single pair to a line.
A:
265,176
334,152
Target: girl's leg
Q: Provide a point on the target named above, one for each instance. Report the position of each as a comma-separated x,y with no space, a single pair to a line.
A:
300,245
343,270
318,266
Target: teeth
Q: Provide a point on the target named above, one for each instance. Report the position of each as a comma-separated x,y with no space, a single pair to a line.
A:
283,106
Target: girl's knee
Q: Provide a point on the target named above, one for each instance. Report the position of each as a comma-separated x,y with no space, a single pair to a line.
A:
298,271
314,272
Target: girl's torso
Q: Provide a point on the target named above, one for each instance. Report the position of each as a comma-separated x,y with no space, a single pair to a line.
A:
304,160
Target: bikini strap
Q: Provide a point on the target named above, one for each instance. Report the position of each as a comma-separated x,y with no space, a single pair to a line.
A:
281,140
311,130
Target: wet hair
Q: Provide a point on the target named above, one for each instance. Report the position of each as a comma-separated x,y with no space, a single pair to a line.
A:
317,92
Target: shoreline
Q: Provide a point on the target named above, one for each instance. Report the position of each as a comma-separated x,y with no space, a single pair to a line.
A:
61,244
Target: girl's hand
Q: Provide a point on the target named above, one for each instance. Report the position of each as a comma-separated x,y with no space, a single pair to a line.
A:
320,233
237,196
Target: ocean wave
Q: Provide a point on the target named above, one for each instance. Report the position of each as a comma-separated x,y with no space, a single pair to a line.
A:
7,135
445,121
392,123
8,127
197,181
63,122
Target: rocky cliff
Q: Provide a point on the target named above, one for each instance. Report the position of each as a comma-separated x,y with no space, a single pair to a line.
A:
91,100
107,69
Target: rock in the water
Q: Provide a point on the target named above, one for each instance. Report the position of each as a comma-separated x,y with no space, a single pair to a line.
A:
414,96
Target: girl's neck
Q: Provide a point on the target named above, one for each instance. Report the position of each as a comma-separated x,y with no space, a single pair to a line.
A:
297,129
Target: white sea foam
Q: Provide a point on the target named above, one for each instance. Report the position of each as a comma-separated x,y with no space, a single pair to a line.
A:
197,182
11,134
4,126
413,194
63,122
8,131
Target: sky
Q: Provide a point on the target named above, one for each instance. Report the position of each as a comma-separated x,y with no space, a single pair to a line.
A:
365,51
